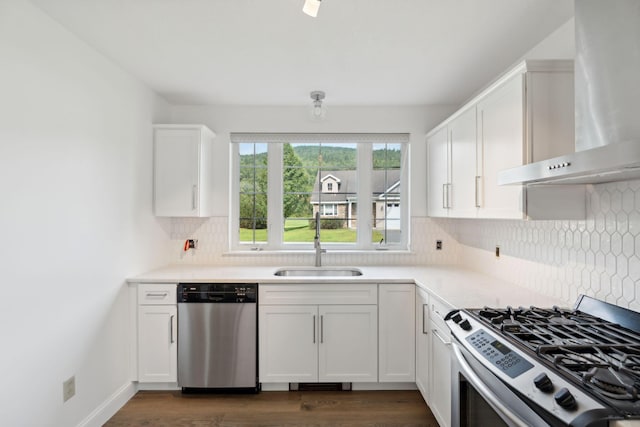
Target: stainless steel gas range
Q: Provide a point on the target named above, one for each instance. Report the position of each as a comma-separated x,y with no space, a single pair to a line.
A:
546,366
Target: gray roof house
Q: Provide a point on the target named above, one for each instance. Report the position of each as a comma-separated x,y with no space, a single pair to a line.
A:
334,195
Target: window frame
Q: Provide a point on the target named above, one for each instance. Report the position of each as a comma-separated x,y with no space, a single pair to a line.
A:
275,222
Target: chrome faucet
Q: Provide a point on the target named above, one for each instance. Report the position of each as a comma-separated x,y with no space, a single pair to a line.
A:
316,242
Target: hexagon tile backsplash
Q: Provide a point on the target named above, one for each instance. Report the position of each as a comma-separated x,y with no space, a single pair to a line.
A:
599,256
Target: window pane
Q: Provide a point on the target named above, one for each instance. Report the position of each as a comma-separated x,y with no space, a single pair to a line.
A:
253,193
386,185
319,177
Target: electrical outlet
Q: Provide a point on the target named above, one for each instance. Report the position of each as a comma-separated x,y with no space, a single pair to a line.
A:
438,245
69,388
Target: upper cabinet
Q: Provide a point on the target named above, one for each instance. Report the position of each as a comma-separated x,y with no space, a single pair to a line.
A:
183,162
524,116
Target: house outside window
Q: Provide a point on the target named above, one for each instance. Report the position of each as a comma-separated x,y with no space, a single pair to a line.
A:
353,181
329,210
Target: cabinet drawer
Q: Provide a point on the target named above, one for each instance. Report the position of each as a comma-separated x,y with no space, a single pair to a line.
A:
150,294
317,294
437,313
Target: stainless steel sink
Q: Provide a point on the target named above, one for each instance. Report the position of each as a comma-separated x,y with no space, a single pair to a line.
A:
318,271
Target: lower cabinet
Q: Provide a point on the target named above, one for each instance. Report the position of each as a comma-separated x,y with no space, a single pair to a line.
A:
288,343
348,343
157,340
440,364
332,343
306,335
396,333
422,343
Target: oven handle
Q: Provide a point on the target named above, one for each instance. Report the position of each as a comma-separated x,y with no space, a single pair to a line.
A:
484,391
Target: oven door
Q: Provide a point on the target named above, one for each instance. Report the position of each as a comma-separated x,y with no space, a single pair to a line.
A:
480,399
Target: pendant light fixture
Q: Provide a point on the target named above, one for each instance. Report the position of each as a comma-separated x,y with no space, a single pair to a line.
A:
311,7
318,111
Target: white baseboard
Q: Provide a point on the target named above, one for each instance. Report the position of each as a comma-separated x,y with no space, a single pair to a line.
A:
384,386
354,386
158,386
110,406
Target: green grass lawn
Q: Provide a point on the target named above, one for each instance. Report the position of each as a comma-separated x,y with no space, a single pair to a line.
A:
297,230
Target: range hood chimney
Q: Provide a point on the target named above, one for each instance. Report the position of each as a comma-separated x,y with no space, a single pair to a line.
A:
607,101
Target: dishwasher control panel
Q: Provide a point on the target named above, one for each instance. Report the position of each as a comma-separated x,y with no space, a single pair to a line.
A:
218,292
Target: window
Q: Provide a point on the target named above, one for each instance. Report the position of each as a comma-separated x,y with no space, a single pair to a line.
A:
353,181
329,210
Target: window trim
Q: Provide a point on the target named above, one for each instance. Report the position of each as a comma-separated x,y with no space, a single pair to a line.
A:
275,229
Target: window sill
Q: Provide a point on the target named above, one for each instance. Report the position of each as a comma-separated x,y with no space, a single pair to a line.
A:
242,253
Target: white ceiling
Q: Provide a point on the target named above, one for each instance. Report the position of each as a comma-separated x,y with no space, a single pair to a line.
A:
267,52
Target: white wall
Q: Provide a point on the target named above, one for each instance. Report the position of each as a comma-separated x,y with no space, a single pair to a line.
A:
75,218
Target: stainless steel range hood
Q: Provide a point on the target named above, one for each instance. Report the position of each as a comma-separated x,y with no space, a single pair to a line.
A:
607,100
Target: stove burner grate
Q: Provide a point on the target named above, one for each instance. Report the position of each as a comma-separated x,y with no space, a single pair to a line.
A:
611,383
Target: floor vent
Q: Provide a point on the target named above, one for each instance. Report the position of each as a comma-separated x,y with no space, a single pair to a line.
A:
319,386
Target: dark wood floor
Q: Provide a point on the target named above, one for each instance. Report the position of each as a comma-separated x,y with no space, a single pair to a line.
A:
274,408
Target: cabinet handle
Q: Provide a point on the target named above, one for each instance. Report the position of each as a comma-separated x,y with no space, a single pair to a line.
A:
194,197
321,329
156,294
424,320
171,328
446,189
445,342
478,191
314,328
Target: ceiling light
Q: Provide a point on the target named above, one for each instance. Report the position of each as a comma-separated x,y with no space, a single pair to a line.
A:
311,7
318,111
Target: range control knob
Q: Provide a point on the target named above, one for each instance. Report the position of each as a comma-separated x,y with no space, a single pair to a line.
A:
565,399
456,318
543,383
465,325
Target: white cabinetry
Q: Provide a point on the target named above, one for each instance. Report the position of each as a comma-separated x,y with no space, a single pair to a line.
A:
157,340
348,343
524,116
438,172
288,343
318,333
183,162
440,364
452,167
422,342
396,332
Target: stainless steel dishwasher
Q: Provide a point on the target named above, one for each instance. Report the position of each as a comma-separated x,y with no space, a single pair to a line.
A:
217,337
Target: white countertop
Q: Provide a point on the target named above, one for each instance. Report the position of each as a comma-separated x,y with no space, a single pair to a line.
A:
456,286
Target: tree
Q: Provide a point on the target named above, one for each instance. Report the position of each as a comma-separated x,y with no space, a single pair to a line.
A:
254,188
253,191
296,184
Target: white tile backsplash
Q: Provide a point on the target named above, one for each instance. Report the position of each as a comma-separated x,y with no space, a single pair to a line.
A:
598,256
213,240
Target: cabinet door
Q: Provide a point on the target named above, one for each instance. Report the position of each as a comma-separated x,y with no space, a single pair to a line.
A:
348,346
464,186
501,146
440,374
176,172
157,344
288,340
438,173
396,333
422,343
